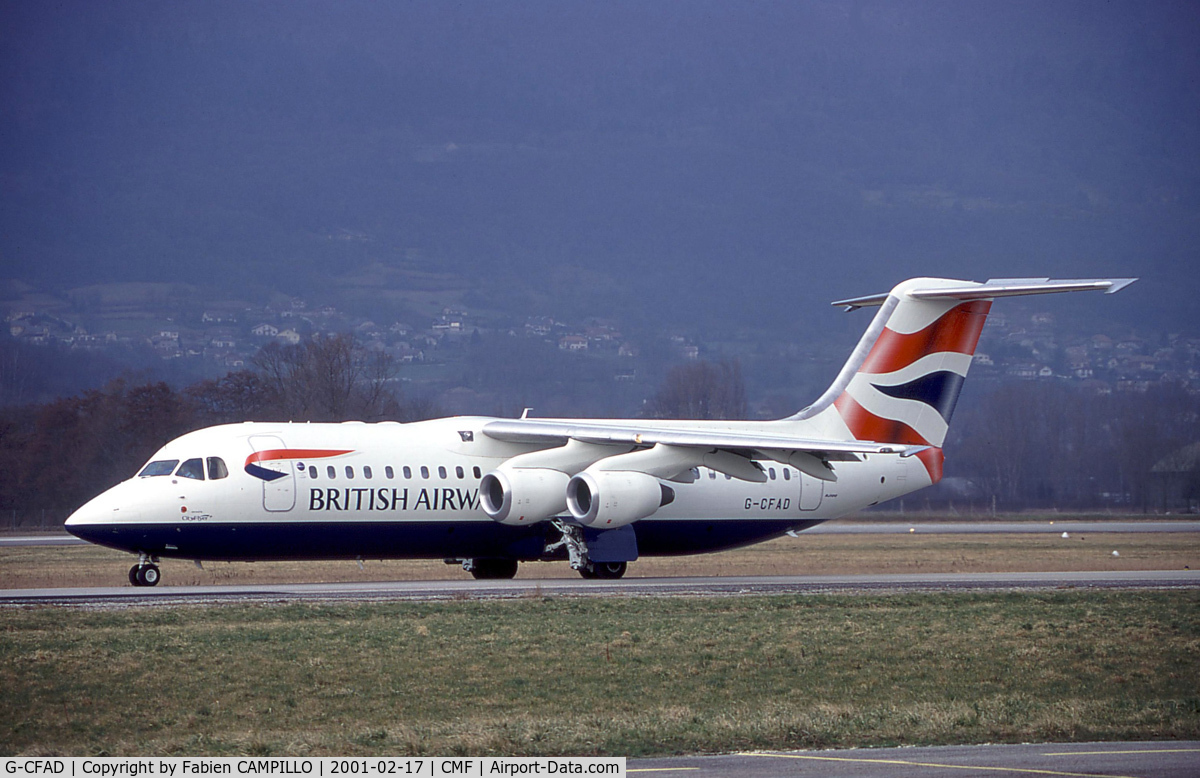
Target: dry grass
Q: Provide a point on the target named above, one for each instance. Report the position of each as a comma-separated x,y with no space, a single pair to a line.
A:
614,676
39,567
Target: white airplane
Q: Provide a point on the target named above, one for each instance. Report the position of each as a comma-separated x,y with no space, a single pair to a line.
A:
491,492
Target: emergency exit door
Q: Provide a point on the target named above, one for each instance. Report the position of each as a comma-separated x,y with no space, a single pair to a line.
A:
812,491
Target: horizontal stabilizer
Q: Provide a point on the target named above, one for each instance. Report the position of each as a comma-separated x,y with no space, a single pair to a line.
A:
998,287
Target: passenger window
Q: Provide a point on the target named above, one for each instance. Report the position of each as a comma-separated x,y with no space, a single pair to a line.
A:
441,472
331,472
216,469
312,471
476,473
787,474
771,471
712,475
458,471
161,467
193,468
366,471
424,471
407,471
349,471
389,472
728,477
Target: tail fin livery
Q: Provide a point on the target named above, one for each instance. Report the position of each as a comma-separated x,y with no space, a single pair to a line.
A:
902,381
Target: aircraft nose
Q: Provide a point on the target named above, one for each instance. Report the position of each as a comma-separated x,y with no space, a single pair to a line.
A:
107,508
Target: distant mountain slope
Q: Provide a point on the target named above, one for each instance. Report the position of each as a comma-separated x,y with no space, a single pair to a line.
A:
650,160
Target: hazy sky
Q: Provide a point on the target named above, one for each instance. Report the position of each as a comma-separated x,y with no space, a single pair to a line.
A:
755,157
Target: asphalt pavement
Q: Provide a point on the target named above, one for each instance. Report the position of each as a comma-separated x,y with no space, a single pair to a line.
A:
1179,759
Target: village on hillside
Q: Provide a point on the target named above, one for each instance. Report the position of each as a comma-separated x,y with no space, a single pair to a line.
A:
224,336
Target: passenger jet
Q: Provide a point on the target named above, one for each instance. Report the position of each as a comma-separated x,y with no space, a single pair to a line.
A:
489,492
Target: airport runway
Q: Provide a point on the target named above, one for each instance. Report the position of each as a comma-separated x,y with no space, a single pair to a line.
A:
998,527
628,587
838,527
1132,760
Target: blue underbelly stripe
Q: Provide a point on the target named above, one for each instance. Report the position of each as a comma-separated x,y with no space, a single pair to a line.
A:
409,540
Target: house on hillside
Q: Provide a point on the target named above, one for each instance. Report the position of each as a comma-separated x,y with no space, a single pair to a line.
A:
223,340
1023,370
573,343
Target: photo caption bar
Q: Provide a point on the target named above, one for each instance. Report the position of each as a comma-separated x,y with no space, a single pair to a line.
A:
324,767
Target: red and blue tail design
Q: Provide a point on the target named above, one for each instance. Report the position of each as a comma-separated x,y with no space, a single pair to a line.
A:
907,387
902,382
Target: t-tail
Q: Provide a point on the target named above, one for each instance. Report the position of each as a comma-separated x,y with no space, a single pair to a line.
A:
902,381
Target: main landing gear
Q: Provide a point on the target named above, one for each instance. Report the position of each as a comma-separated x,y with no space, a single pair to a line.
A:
604,570
570,539
145,572
490,569
577,554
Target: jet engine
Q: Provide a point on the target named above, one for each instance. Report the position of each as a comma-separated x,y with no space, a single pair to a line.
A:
523,495
606,499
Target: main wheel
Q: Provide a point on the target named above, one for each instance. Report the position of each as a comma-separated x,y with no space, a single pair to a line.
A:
491,569
133,575
148,575
609,570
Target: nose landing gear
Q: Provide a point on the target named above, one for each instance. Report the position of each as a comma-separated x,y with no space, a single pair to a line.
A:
145,572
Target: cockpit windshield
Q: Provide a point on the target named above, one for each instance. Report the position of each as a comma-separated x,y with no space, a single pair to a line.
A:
161,467
217,469
193,468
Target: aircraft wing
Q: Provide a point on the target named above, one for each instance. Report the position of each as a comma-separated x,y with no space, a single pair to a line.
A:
723,450
539,431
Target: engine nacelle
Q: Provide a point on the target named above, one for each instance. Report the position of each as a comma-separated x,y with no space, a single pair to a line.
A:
523,495
606,499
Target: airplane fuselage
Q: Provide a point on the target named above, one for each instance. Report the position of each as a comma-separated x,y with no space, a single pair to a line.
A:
390,490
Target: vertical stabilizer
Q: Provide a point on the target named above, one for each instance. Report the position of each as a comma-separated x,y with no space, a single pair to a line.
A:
902,382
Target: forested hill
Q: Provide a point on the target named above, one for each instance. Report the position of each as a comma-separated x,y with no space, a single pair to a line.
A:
650,161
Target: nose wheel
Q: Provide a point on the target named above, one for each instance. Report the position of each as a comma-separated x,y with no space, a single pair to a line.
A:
144,573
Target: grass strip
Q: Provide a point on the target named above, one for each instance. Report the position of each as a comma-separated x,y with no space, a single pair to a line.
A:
634,677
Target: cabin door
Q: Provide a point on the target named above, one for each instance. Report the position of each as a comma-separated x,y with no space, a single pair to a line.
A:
279,493
812,491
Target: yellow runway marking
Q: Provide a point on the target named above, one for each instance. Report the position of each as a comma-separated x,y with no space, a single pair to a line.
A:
906,763
1137,751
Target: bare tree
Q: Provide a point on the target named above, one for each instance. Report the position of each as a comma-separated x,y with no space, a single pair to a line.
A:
239,396
701,390
331,378
1147,427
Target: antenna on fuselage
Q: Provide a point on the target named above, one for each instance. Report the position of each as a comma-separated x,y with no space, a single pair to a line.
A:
525,413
